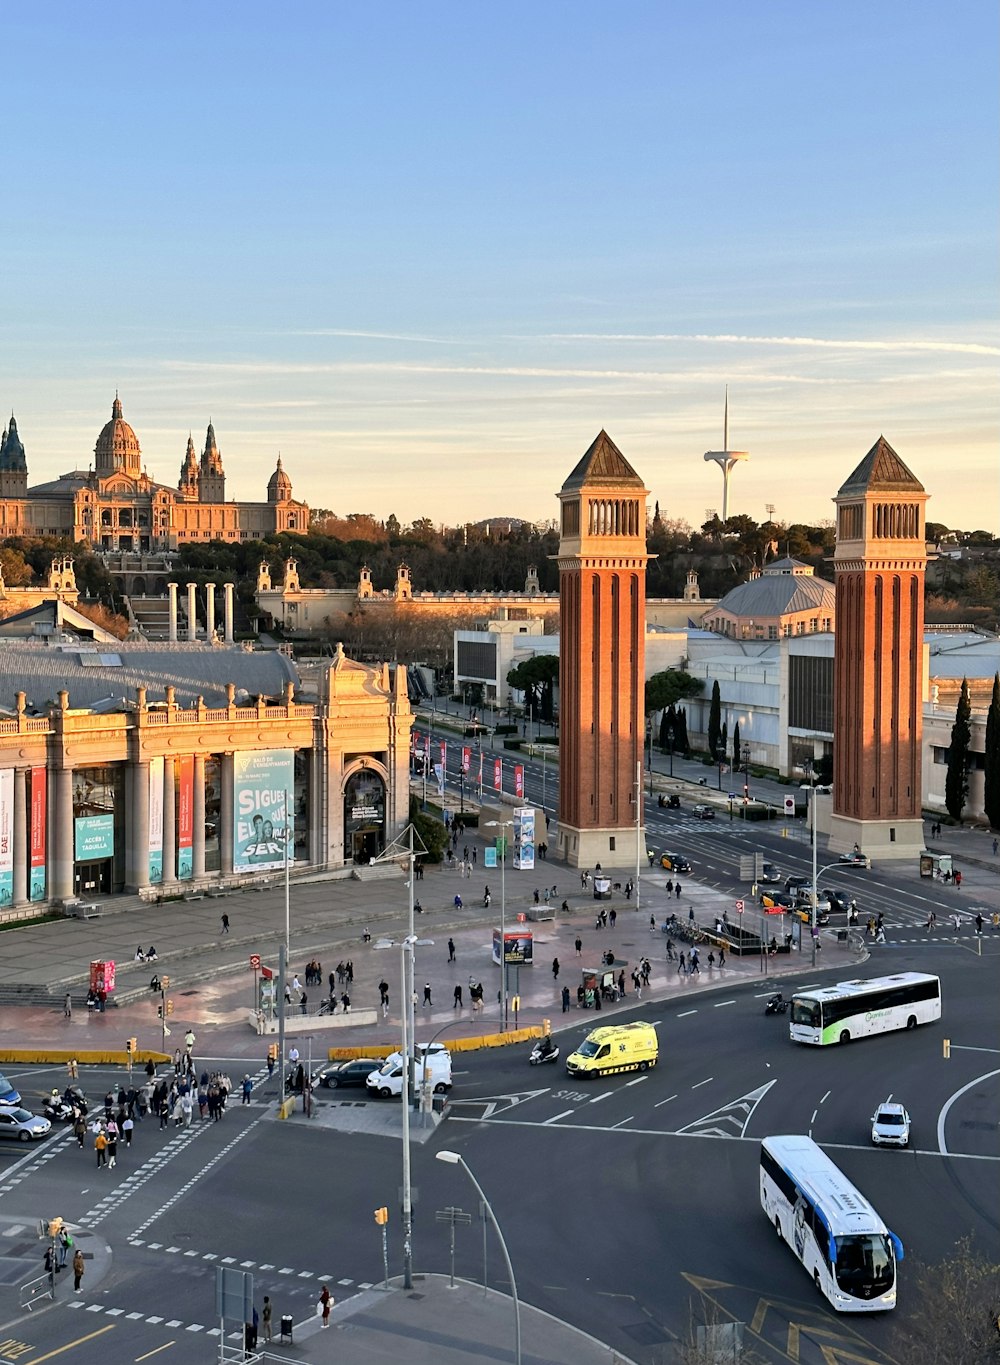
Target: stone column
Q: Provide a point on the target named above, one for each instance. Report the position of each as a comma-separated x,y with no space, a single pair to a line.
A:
192,612
61,842
317,844
209,611
198,817
226,815
172,598
169,822
228,589
20,895
137,850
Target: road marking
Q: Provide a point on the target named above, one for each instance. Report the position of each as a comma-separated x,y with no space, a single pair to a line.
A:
942,1117
707,1081
962,1047
624,1121
61,1350
666,1101
165,1347
597,1098
565,1115
720,1004
685,1014
638,1080
826,1097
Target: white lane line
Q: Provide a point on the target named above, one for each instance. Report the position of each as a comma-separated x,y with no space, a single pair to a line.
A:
962,1047
720,1004
638,1080
557,1117
685,1014
597,1098
826,1097
942,1117
624,1121
666,1101
708,1080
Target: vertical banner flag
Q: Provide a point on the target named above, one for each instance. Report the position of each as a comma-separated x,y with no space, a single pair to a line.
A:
466,760
263,791
480,775
155,821
498,774
443,768
519,780
6,835
524,838
185,817
38,818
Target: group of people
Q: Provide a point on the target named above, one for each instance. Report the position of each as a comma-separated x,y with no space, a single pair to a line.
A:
149,955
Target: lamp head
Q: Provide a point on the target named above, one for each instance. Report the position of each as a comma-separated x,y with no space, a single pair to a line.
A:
452,1158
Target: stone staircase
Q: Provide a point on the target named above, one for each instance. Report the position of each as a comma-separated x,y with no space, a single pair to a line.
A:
153,616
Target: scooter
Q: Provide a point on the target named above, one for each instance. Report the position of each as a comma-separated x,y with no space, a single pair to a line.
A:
545,1050
57,1109
776,1004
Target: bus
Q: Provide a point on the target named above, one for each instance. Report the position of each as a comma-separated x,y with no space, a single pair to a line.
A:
833,1230
857,1009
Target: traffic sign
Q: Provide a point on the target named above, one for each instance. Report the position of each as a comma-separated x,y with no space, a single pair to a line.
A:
255,961
266,973
740,907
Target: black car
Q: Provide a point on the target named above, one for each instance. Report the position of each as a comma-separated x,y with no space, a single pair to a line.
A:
798,883
355,1072
838,901
703,812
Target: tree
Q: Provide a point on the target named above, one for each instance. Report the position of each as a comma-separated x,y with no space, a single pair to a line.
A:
430,831
536,678
723,749
715,721
671,686
955,1312
956,782
991,773
737,751
681,742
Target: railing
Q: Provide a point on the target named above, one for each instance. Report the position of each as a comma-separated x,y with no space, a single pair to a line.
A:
42,1287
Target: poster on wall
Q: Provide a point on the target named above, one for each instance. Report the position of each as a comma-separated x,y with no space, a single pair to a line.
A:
524,838
155,821
93,837
185,817
263,796
6,835
36,890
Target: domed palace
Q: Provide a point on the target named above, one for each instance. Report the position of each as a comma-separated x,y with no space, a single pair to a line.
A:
117,506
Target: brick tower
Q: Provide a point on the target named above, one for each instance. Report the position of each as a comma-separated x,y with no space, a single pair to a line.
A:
602,635
879,564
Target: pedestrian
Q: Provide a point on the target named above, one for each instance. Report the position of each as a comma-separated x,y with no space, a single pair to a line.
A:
537,895
270,1066
578,945
79,1130
427,993
677,893
621,983
979,925
225,924
628,889
670,950
670,887
128,1126
457,1003
612,917
189,1041
101,1147
345,1002
565,999
711,958
958,880
451,950
112,1144
555,969
652,924
247,1088
325,1300
457,902
722,957
957,922
996,845
303,1003
77,1269
68,1006
265,1317
681,965
465,854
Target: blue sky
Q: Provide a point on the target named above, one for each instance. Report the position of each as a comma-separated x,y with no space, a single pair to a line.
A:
427,251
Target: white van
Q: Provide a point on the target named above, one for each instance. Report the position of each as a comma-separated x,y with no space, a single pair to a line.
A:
433,1065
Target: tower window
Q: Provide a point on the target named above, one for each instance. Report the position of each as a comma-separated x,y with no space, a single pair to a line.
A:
571,518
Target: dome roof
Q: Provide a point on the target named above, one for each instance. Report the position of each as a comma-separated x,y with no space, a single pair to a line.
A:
11,450
117,446
279,485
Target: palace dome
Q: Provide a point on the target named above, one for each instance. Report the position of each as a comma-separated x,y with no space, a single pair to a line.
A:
117,447
279,486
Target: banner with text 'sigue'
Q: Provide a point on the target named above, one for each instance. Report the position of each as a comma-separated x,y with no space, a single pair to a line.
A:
263,808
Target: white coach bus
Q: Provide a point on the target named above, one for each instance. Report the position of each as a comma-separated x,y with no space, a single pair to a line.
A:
857,1009
832,1229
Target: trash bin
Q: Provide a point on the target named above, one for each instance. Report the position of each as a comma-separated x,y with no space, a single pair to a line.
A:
841,935
286,1327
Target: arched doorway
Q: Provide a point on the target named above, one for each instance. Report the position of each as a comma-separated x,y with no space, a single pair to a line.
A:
364,815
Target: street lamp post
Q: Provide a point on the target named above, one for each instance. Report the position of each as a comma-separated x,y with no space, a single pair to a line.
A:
454,1159
502,826
638,828
404,1092
746,770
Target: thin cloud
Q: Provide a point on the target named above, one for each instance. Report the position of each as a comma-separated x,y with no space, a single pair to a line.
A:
825,343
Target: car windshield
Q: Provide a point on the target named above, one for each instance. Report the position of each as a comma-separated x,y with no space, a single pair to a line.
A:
805,1012
588,1048
864,1265
22,1115
888,1119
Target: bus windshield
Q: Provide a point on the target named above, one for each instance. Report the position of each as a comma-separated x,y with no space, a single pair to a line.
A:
807,1012
864,1265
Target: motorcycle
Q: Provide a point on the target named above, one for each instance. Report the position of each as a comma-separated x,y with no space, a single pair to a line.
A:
776,1004
545,1050
63,1109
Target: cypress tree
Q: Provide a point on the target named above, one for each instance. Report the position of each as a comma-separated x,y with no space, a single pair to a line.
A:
681,742
737,751
956,782
992,762
715,721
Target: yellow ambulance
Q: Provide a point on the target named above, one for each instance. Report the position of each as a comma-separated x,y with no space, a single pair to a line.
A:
618,1047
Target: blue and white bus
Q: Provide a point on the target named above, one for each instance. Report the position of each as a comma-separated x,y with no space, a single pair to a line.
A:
831,1227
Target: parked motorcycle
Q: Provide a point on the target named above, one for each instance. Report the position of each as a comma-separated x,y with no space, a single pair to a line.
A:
776,1004
545,1050
62,1109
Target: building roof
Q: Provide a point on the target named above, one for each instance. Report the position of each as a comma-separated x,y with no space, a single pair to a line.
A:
788,565
92,675
52,617
117,446
12,455
603,465
779,595
881,471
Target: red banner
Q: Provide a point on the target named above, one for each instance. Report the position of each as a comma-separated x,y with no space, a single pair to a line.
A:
185,816
518,780
444,755
498,774
37,834
466,759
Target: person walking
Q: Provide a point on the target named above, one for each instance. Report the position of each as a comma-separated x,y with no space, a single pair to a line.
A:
722,957
325,1300
996,845
612,917
670,950
225,924
578,945
101,1147
458,1005
112,1143
979,925
670,886
681,965
68,1006
677,893
565,999
958,881
555,969
427,994
652,924
247,1089
128,1127
451,950
77,1269
265,1317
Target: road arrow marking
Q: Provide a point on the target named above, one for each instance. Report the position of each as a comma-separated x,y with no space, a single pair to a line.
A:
731,1119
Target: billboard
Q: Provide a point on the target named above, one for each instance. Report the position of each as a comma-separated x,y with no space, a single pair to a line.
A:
6,835
36,890
524,838
263,803
93,837
185,817
155,821
518,946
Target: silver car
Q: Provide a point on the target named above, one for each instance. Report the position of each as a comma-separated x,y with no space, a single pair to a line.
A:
19,1124
890,1125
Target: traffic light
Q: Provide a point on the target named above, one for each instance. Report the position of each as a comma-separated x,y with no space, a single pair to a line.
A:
746,791
159,1011
55,1226
272,1052
128,1045
381,1216
170,1007
164,983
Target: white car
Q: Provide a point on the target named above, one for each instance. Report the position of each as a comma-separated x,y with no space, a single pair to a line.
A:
890,1125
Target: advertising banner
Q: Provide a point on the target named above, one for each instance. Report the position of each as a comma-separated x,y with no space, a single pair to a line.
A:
498,774
262,796
36,890
524,838
93,837
155,821
185,817
466,759
442,768
6,835
519,780
517,944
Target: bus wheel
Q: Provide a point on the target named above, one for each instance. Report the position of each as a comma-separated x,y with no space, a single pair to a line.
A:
777,1227
912,1021
845,1037
816,1281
